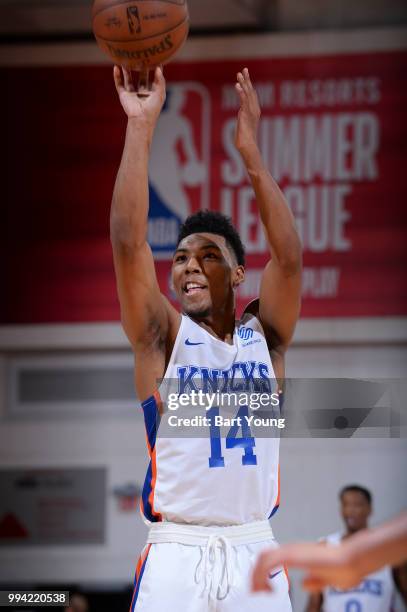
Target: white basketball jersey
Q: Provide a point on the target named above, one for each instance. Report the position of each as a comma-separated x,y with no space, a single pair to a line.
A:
212,479
374,594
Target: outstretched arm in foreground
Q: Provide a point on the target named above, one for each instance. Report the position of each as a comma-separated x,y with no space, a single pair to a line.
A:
341,566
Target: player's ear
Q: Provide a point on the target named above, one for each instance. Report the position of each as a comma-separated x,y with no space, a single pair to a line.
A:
238,276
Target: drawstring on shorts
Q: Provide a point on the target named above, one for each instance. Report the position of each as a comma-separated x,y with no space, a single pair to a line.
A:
204,572
217,544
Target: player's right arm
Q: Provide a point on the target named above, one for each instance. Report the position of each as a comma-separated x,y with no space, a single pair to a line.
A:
146,314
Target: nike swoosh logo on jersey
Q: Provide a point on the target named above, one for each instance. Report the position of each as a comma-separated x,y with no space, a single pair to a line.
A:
189,343
274,575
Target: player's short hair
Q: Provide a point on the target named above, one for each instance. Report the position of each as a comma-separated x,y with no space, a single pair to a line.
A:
214,223
362,490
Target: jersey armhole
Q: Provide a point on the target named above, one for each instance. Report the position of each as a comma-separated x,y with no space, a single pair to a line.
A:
252,308
270,336
174,349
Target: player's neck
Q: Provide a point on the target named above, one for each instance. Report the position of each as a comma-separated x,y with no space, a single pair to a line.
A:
351,532
222,326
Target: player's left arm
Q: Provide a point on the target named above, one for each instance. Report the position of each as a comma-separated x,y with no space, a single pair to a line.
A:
280,289
400,580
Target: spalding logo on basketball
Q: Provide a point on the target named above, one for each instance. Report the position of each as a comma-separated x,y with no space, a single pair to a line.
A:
140,34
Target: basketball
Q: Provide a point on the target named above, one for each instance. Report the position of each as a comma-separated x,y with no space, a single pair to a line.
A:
141,34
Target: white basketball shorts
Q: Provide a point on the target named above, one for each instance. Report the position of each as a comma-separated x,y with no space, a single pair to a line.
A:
206,569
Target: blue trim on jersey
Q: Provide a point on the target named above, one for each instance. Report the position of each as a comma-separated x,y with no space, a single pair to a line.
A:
281,402
137,584
152,422
147,510
274,511
151,419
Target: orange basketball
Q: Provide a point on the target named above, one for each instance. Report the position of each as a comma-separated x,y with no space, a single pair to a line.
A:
140,34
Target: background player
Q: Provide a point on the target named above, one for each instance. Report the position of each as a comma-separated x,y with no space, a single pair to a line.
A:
205,530
376,591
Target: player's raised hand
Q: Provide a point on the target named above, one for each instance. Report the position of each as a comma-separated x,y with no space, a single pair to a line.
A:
249,113
144,108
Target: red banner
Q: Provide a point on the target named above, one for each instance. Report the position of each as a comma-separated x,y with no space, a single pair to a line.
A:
333,133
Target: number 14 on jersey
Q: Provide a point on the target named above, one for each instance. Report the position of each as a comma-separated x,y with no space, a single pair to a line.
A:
245,442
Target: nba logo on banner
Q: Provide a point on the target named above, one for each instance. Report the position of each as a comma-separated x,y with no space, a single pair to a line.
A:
179,164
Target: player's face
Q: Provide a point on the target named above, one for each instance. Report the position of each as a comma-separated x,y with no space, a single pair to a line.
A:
355,510
204,273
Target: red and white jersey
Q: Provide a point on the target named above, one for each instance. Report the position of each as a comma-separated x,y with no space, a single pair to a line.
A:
374,594
213,479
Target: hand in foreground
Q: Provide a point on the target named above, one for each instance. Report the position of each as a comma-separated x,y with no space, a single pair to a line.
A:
249,113
341,566
325,565
145,109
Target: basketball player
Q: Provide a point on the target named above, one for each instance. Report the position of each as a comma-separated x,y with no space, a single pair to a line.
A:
341,566
208,499
376,591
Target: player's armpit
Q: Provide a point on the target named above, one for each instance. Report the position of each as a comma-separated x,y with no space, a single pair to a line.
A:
147,316
280,302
